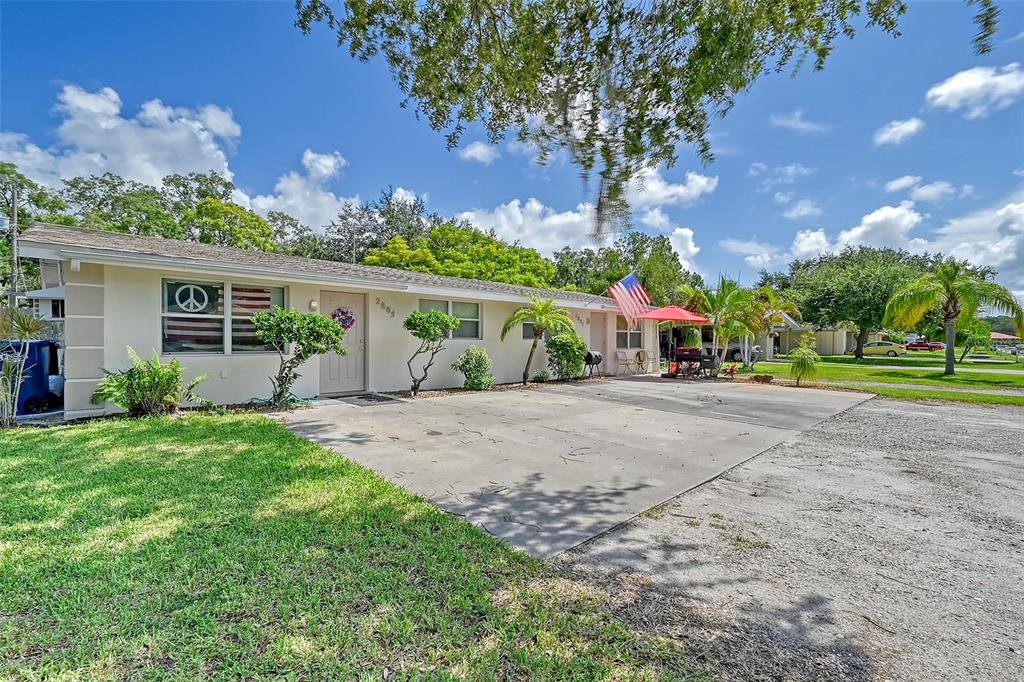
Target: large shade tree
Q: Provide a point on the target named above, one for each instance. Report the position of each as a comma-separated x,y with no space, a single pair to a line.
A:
617,85
957,291
853,287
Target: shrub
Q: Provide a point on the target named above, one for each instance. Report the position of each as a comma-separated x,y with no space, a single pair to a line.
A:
20,327
804,360
309,334
567,353
475,364
148,387
541,376
431,328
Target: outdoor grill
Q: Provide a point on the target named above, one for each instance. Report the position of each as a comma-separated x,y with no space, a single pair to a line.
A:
593,359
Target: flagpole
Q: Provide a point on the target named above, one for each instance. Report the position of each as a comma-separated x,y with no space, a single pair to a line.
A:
595,297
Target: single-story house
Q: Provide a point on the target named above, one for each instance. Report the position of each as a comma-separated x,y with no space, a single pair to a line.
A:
1004,338
786,336
192,302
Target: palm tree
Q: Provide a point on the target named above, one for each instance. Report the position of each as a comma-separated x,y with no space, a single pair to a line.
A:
769,310
955,289
545,316
728,308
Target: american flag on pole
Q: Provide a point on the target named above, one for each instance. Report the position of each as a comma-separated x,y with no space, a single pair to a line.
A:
630,296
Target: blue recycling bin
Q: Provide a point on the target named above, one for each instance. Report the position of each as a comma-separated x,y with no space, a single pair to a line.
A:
39,365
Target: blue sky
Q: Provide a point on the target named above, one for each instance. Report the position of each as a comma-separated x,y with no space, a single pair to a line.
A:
805,164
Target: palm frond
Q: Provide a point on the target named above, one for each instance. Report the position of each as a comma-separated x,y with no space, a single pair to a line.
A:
910,304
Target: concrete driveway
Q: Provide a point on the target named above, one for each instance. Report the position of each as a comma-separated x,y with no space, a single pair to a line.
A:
551,467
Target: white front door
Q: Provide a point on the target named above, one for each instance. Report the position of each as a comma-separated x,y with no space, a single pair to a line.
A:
345,373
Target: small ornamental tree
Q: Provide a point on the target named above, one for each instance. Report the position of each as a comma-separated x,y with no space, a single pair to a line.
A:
431,328
567,354
309,334
804,360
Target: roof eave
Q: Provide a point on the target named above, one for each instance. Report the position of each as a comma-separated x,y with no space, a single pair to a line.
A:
51,251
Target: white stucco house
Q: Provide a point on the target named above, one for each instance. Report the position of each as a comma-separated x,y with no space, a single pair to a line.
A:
192,302
785,336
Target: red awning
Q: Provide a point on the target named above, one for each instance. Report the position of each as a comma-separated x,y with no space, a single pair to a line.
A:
673,313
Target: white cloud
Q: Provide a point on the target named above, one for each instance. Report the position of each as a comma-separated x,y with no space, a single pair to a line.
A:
657,219
757,168
684,245
404,195
796,121
305,196
933,191
783,197
901,183
993,236
780,176
990,237
651,189
322,166
885,226
809,244
896,132
536,225
755,254
481,152
981,90
94,137
805,208
1019,172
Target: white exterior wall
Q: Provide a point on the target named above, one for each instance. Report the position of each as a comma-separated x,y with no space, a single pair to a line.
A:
132,317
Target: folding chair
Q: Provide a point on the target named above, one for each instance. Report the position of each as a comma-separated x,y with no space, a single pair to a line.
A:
622,360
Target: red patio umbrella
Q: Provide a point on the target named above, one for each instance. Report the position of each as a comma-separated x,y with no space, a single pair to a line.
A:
673,313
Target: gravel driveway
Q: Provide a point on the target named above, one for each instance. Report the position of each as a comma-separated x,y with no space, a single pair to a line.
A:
886,542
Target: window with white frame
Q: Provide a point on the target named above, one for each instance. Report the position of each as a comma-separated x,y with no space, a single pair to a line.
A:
246,301
468,313
193,319
626,336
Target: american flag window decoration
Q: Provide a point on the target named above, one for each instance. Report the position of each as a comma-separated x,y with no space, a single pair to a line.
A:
193,317
246,301
631,297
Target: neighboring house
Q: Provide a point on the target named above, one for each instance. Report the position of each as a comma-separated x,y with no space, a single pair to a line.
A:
829,341
192,301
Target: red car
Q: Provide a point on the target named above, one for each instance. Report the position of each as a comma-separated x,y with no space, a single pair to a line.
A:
926,345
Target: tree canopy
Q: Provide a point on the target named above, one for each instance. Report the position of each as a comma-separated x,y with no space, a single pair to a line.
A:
464,251
616,85
653,260
854,286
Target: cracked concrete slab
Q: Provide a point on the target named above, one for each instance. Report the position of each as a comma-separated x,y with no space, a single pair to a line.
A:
549,468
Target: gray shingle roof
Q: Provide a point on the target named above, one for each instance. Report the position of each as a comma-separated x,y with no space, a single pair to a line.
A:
45,234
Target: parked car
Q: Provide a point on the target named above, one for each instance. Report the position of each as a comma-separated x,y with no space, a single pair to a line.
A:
921,344
884,348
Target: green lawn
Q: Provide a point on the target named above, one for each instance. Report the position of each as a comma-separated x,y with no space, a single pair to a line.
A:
223,546
919,359
924,376
933,394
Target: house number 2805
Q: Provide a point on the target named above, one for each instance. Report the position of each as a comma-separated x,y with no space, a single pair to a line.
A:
385,307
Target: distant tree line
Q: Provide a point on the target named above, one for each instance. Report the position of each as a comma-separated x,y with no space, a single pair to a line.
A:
853,287
392,230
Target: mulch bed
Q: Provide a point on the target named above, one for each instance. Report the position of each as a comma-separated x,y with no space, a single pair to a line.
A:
518,386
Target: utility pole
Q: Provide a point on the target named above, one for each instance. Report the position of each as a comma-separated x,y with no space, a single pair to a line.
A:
15,265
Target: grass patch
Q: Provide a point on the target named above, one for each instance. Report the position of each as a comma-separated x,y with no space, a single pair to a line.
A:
922,376
931,394
921,359
224,546
743,542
